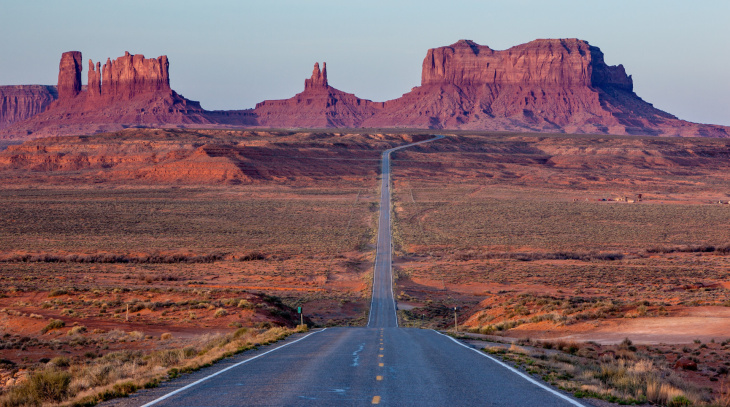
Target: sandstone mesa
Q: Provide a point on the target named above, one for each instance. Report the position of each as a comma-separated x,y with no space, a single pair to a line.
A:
547,85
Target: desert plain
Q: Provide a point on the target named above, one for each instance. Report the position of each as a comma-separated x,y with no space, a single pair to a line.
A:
152,247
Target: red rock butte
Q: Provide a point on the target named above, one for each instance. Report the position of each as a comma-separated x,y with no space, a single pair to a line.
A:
131,90
318,106
547,85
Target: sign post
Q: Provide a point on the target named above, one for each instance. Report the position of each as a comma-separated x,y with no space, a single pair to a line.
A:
301,316
456,323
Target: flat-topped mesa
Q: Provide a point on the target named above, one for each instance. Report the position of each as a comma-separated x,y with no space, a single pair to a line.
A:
21,102
318,79
545,62
69,75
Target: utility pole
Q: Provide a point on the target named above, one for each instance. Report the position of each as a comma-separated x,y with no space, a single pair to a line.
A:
127,312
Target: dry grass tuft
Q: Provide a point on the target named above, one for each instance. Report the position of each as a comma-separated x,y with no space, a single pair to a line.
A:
120,373
625,377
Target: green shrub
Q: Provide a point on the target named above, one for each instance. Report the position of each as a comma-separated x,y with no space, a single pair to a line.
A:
45,386
53,324
245,304
77,330
56,292
239,333
118,390
679,401
60,361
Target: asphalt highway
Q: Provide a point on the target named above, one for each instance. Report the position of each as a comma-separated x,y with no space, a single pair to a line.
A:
380,364
383,307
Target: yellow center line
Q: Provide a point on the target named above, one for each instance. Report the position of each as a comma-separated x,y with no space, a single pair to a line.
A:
381,364
378,378
381,348
376,400
380,356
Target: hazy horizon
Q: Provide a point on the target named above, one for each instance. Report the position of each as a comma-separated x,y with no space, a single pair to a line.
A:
231,55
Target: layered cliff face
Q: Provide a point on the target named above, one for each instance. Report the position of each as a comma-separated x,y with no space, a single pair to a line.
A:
318,106
131,90
128,76
18,103
545,63
560,85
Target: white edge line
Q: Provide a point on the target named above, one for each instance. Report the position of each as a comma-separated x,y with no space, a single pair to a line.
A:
155,401
513,370
390,253
375,261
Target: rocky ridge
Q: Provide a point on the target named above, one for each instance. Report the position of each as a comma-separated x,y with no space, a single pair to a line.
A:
547,85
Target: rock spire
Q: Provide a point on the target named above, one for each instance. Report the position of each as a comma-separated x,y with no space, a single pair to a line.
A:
69,75
318,79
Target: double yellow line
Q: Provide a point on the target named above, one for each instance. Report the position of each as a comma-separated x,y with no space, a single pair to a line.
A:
376,399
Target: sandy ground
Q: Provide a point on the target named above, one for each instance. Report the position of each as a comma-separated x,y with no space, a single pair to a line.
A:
701,323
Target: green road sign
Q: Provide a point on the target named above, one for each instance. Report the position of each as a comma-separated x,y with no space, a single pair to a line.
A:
299,310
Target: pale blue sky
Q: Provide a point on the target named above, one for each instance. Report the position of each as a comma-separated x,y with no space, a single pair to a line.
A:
232,54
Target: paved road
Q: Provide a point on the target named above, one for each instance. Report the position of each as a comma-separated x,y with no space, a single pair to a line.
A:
380,364
383,307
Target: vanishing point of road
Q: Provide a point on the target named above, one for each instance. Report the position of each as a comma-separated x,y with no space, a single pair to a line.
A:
379,364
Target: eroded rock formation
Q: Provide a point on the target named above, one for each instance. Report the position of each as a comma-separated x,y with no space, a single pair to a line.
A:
318,106
547,85
553,85
318,79
129,91
18,103
563,62
69,75
123,79
130,75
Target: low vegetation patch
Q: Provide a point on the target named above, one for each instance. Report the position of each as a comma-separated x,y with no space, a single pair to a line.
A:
120,373
53,324
623,374
153,258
